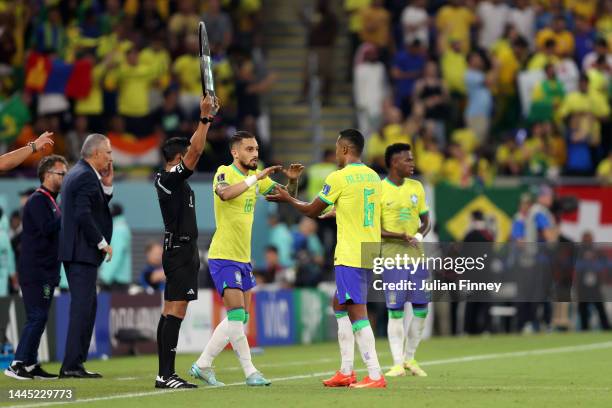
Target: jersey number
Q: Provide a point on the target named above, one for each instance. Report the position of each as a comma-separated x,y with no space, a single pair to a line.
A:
248,205
368,208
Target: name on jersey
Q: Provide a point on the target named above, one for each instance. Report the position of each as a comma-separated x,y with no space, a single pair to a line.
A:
362,178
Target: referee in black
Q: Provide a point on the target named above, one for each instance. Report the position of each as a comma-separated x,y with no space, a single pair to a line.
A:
39,268
180,259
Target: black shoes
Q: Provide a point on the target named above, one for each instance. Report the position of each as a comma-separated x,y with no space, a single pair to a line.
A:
38,373
78,373
173,382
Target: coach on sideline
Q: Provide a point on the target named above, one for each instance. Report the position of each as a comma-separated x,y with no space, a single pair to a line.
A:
10,160
85,234
39,269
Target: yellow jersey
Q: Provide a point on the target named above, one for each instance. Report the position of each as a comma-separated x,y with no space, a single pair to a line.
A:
402,206
355,191
234,218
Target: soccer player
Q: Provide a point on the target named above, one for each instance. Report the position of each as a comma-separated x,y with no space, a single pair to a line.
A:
235,190
180,259
355,191
405,221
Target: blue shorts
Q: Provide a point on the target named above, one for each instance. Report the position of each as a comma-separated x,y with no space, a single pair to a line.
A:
396,299
351,284
231,274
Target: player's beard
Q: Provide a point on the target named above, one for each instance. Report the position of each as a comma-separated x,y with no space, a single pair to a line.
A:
248,165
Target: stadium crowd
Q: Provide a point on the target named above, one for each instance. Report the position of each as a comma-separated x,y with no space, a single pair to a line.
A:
488,87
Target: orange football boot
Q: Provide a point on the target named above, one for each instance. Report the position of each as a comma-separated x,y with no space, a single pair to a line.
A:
367,382
340,380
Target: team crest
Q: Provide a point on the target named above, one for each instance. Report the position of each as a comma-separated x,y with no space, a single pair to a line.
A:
414,198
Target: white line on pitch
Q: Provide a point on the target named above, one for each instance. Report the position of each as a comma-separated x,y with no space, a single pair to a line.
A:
494,356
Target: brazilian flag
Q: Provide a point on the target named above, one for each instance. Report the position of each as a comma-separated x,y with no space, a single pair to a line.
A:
453,208
13,115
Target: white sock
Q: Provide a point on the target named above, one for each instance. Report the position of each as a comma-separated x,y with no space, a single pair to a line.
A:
216,344
407,320
395,333
367,347
241,346
415,333
346,341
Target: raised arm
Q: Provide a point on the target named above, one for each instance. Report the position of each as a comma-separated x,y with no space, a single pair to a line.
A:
208,105
226,191
13,159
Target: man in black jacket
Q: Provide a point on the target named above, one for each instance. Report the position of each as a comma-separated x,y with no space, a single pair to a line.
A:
39,271
86,231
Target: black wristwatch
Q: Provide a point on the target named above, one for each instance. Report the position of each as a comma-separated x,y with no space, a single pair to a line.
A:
33,146
206,120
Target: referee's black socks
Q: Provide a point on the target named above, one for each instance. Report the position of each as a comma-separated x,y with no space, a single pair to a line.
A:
168,333
160,356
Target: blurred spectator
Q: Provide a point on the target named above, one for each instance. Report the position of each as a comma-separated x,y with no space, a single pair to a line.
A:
183,23
7,262
217,148
248,91
112,16
517,231
564,39
280,237
376,27
431,91
273,268
590,275
135,80
116,275
600,50
406,68
50,33
322,28
548,11
187,71
353,10
480,101
429,158
546,97
454,22
493,16
149,20
458,167
604,170
170,119
369,89
522,17
218,27
309,252
509,157
316,173
584,36
415,23
588,105
454,65
579,142
75,138
392,132
546,55
152,275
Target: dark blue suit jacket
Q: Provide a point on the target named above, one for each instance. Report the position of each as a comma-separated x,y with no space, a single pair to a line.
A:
40,236
86,217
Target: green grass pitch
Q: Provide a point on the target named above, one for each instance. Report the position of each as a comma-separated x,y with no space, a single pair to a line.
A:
552,370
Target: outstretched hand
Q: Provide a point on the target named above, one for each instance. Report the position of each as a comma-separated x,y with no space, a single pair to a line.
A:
267,171
43,140
278,195
294,171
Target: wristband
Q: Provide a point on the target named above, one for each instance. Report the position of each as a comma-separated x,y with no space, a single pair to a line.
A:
250,180
205,120
33,146
418,236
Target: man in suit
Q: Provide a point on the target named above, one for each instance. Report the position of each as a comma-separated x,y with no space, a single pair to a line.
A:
85,234
39,269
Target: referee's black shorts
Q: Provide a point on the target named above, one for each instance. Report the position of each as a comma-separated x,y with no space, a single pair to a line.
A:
182,267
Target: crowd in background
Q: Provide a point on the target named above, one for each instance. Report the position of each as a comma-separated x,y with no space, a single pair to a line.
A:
129,69
485,88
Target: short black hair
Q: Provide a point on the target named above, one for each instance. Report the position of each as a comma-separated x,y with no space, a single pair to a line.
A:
520,42
550,43
239,136
46,163
393,149
174,146
355,138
